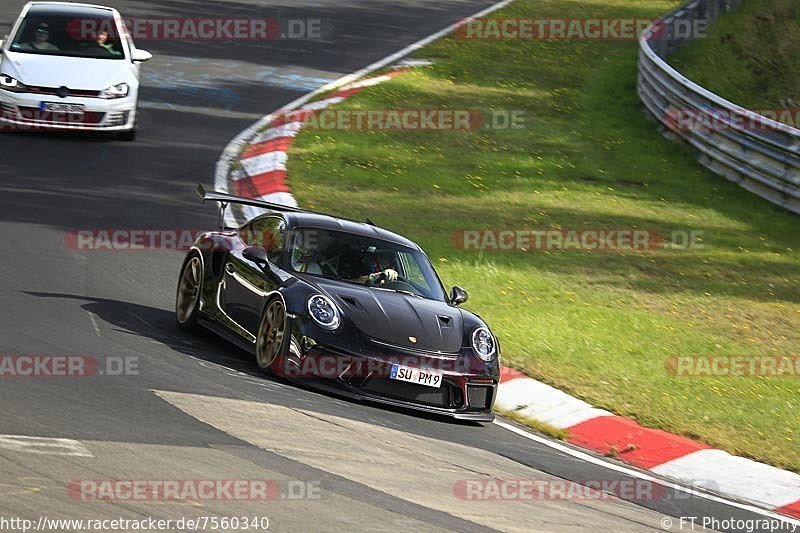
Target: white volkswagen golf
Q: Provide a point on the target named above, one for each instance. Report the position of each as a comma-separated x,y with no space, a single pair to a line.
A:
68,66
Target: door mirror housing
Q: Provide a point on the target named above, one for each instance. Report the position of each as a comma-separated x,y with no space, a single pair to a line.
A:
256,254
458,295
140,56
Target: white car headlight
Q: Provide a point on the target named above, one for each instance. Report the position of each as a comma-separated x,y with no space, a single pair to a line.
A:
324,312
483,343
117,91
11,84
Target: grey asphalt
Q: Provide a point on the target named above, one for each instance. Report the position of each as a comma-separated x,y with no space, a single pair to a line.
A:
169,421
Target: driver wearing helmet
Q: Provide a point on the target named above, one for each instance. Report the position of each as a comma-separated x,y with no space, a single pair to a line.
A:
379,265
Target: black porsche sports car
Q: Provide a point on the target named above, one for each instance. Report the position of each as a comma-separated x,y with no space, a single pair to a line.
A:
343,305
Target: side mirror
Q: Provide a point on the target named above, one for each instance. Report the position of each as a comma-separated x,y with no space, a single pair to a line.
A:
140,56
256,254
1,46
458,295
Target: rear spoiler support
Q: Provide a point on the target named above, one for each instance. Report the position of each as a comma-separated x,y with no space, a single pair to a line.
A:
224,199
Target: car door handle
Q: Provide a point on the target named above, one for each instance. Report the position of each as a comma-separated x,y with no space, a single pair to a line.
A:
229,268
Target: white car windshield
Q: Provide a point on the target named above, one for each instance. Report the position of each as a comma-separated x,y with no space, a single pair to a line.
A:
68,35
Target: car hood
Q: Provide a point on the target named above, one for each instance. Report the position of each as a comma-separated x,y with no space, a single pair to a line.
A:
73,72
396,318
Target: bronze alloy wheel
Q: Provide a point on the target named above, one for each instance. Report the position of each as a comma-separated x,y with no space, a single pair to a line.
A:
188,296
271,334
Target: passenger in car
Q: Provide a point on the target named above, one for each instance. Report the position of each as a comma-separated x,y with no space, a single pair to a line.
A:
102,41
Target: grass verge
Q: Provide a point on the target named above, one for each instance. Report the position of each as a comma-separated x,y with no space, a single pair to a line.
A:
751,56
599,325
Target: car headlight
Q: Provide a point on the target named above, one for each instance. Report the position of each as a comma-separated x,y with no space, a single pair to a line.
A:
483,343
324,312
117,91
11,84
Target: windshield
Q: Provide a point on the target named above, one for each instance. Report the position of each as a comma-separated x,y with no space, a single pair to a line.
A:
365,261
67,35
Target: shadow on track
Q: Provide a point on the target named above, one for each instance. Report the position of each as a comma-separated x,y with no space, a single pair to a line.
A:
159,325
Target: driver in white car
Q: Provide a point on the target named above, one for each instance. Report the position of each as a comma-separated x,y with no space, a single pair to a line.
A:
41,39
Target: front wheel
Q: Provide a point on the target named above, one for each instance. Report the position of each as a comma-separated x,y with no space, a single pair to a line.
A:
272,336
187,300
127,135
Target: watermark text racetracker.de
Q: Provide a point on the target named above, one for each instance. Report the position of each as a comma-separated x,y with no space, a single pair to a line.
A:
532,489
568,29
699,366
585,239
529,489
333,367
407,119
131,239
60,366
123,490
202,29
704,120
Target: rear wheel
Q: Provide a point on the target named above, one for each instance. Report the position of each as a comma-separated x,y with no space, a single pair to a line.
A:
272,335
187,300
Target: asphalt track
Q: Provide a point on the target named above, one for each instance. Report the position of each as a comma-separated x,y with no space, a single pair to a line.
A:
197,408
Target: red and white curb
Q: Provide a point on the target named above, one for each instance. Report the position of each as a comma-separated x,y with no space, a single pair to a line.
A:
262,170
254,165
672,456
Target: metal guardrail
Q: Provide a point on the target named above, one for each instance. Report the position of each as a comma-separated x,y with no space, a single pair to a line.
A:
758,153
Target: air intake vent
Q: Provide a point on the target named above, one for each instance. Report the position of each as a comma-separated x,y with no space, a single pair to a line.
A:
349,301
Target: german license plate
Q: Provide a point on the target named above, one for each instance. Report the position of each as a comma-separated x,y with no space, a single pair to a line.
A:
420,376
56,107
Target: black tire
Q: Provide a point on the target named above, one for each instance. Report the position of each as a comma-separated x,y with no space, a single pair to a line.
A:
273,335
127,135
189,293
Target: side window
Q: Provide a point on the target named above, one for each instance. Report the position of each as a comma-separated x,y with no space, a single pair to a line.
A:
267,232
412,271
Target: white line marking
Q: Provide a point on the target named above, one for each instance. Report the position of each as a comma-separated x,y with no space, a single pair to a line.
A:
641,475
43,445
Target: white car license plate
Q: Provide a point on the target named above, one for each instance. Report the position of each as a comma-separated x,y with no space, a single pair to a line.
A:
420,376
55,107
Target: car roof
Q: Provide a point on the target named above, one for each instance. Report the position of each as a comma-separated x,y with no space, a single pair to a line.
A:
317,220
69,8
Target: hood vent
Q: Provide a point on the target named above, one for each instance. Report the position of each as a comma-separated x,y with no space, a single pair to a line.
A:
352,302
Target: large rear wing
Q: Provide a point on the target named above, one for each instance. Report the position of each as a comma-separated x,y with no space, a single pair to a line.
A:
224,199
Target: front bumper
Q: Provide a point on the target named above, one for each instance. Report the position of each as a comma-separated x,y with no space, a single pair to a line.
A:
21,112
462,395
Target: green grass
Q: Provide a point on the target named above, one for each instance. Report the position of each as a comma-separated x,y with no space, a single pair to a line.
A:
597,325
540,427
751,56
